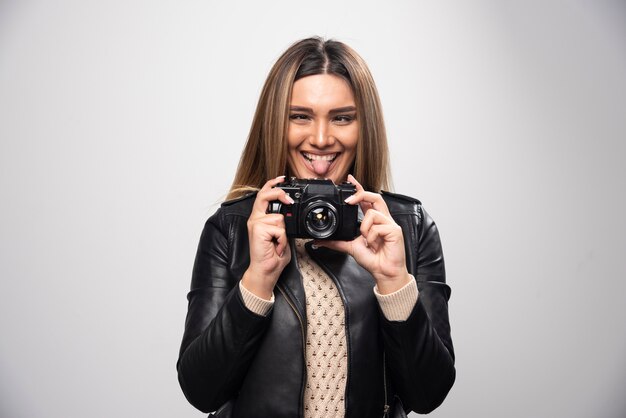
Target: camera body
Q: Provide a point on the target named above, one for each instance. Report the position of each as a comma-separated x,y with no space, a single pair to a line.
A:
319,210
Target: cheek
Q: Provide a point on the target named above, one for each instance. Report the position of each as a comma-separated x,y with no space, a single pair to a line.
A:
351,157
291,146
294,138
351,145
352,135
351,139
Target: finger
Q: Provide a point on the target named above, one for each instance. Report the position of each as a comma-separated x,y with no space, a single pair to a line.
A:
272,182
276,219
359,189
371,239
373,217
263,198
367,200
378,234
274,234
354,181
282,244
265,232
277,194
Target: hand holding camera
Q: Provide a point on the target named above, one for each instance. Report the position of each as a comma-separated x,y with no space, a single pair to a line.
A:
319,209
269,247
380,246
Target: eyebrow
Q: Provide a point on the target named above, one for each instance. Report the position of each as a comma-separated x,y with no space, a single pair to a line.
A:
332,111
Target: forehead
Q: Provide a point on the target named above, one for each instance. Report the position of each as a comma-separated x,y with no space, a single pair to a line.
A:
322,91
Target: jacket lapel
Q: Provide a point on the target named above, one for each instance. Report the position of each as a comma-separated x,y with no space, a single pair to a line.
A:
290,281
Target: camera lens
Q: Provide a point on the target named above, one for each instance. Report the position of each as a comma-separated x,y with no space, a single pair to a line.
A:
320,219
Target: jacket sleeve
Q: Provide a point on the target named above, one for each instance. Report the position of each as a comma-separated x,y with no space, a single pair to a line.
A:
419,351
221,334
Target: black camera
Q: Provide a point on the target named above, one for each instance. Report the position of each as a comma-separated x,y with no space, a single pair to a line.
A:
319,210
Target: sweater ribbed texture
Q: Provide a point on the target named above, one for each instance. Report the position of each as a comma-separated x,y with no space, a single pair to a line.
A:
397,306
256,304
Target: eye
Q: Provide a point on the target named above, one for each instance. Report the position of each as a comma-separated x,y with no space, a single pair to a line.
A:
298,117
344,119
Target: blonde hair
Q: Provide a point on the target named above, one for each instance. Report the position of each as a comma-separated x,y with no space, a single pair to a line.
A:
265,153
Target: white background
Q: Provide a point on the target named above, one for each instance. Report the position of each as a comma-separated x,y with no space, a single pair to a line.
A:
121,124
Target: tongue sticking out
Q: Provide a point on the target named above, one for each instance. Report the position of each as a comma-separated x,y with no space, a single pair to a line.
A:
320,166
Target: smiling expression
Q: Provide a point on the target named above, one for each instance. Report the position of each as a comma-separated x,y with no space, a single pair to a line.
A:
323,128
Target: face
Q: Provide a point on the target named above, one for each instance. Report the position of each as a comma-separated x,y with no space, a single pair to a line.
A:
323,129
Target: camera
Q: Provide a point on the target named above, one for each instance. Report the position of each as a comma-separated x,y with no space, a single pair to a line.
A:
319,210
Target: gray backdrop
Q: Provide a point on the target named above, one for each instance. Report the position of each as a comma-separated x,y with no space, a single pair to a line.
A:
121,124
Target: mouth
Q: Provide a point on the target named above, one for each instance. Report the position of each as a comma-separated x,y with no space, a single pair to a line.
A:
315,157
320,164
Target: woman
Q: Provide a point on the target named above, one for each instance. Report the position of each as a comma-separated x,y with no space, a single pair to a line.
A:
281,327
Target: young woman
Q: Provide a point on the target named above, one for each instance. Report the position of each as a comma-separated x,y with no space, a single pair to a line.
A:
283,327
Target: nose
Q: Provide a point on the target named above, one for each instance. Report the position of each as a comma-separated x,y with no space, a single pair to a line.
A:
321,137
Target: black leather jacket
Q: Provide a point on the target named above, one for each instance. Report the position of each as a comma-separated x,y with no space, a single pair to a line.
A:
258,363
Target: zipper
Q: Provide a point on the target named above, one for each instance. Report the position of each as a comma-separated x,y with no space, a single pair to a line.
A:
386,407
302,330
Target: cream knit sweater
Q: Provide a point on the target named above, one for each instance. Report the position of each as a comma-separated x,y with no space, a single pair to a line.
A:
326,354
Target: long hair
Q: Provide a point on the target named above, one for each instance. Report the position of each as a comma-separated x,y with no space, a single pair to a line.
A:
265,153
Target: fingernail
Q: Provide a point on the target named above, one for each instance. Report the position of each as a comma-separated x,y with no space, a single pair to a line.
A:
281,177
348,199
289,198
282,254
315,247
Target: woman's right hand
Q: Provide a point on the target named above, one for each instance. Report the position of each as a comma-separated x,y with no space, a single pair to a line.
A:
269,247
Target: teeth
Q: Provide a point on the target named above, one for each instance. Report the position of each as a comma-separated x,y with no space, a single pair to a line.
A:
328,157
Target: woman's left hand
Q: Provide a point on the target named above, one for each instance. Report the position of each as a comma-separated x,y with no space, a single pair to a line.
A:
380,248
